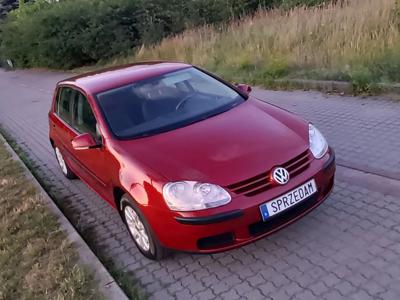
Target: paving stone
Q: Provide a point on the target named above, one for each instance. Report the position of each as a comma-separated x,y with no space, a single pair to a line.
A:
345,288
278,295
175,287
153,287
318,288
343,120
205,295
373,288
162,294
183,295
243,288
361,295
389,295
210,280
348,248
332,295
279,280
255,280
292,289
254,295
305,295
268,288
220,287
195,286
230,295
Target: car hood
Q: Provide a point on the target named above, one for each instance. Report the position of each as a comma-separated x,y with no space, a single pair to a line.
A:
240,143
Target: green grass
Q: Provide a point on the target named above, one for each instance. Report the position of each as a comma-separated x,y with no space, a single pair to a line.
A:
36,259
126,280
358,42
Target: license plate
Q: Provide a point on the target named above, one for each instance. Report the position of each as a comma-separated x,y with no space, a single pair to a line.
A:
288,200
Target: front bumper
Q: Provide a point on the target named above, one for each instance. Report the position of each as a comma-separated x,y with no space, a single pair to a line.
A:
240,222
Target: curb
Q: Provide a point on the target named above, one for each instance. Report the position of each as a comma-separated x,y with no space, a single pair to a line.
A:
319,85
333,86
106,283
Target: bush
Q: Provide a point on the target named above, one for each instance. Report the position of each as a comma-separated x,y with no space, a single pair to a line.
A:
69,33
72,33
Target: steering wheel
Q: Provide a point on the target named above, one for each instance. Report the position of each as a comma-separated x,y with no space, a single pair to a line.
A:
183,101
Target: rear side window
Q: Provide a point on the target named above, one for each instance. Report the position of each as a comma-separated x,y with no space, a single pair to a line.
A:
83,120
64,104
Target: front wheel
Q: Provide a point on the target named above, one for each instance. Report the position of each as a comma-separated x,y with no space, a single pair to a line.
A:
63,165
140,230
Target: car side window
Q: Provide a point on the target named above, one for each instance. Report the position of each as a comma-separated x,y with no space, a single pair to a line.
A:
83,117
64,104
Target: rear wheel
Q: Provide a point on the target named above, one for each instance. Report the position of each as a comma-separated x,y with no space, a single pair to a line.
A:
63,165
140,230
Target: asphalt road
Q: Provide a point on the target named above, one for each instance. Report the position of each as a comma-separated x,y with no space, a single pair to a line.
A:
348,248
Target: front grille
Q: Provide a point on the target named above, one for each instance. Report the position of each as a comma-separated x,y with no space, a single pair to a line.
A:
261,182
261,227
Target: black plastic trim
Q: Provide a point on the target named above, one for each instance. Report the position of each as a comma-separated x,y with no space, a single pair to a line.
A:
210,219
330,161
216,241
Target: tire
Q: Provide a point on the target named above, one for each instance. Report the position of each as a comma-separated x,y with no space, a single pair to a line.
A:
140,230
63,165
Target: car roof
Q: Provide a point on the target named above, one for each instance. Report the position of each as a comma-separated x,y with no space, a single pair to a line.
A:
109,78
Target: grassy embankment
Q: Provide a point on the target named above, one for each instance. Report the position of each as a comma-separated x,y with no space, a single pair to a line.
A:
358,42
36,259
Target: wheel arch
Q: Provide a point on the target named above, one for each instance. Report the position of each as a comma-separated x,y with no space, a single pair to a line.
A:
118,192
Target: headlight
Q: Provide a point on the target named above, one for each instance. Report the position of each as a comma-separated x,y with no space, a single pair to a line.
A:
318,144
192,195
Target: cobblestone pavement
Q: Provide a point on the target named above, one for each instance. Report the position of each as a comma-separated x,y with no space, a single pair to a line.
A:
365,132
348,248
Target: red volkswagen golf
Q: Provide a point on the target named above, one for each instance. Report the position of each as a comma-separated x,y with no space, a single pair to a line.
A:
191,162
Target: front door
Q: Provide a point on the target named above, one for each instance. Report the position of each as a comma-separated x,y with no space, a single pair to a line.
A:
90,162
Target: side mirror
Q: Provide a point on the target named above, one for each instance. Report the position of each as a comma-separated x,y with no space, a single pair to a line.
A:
84,141
244,88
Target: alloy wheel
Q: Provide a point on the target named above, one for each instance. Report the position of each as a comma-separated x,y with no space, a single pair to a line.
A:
61,161
137,228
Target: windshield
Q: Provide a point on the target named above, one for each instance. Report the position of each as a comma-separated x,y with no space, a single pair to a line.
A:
165,103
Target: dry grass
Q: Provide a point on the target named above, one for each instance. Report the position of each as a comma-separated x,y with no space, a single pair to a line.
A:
357,40
36,259
303,36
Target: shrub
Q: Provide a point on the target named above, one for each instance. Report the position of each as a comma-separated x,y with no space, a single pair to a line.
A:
361,79
71,33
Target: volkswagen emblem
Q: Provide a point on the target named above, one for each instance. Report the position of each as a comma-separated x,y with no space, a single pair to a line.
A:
280,175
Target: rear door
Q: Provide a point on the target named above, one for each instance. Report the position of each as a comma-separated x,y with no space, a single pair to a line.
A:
62,123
